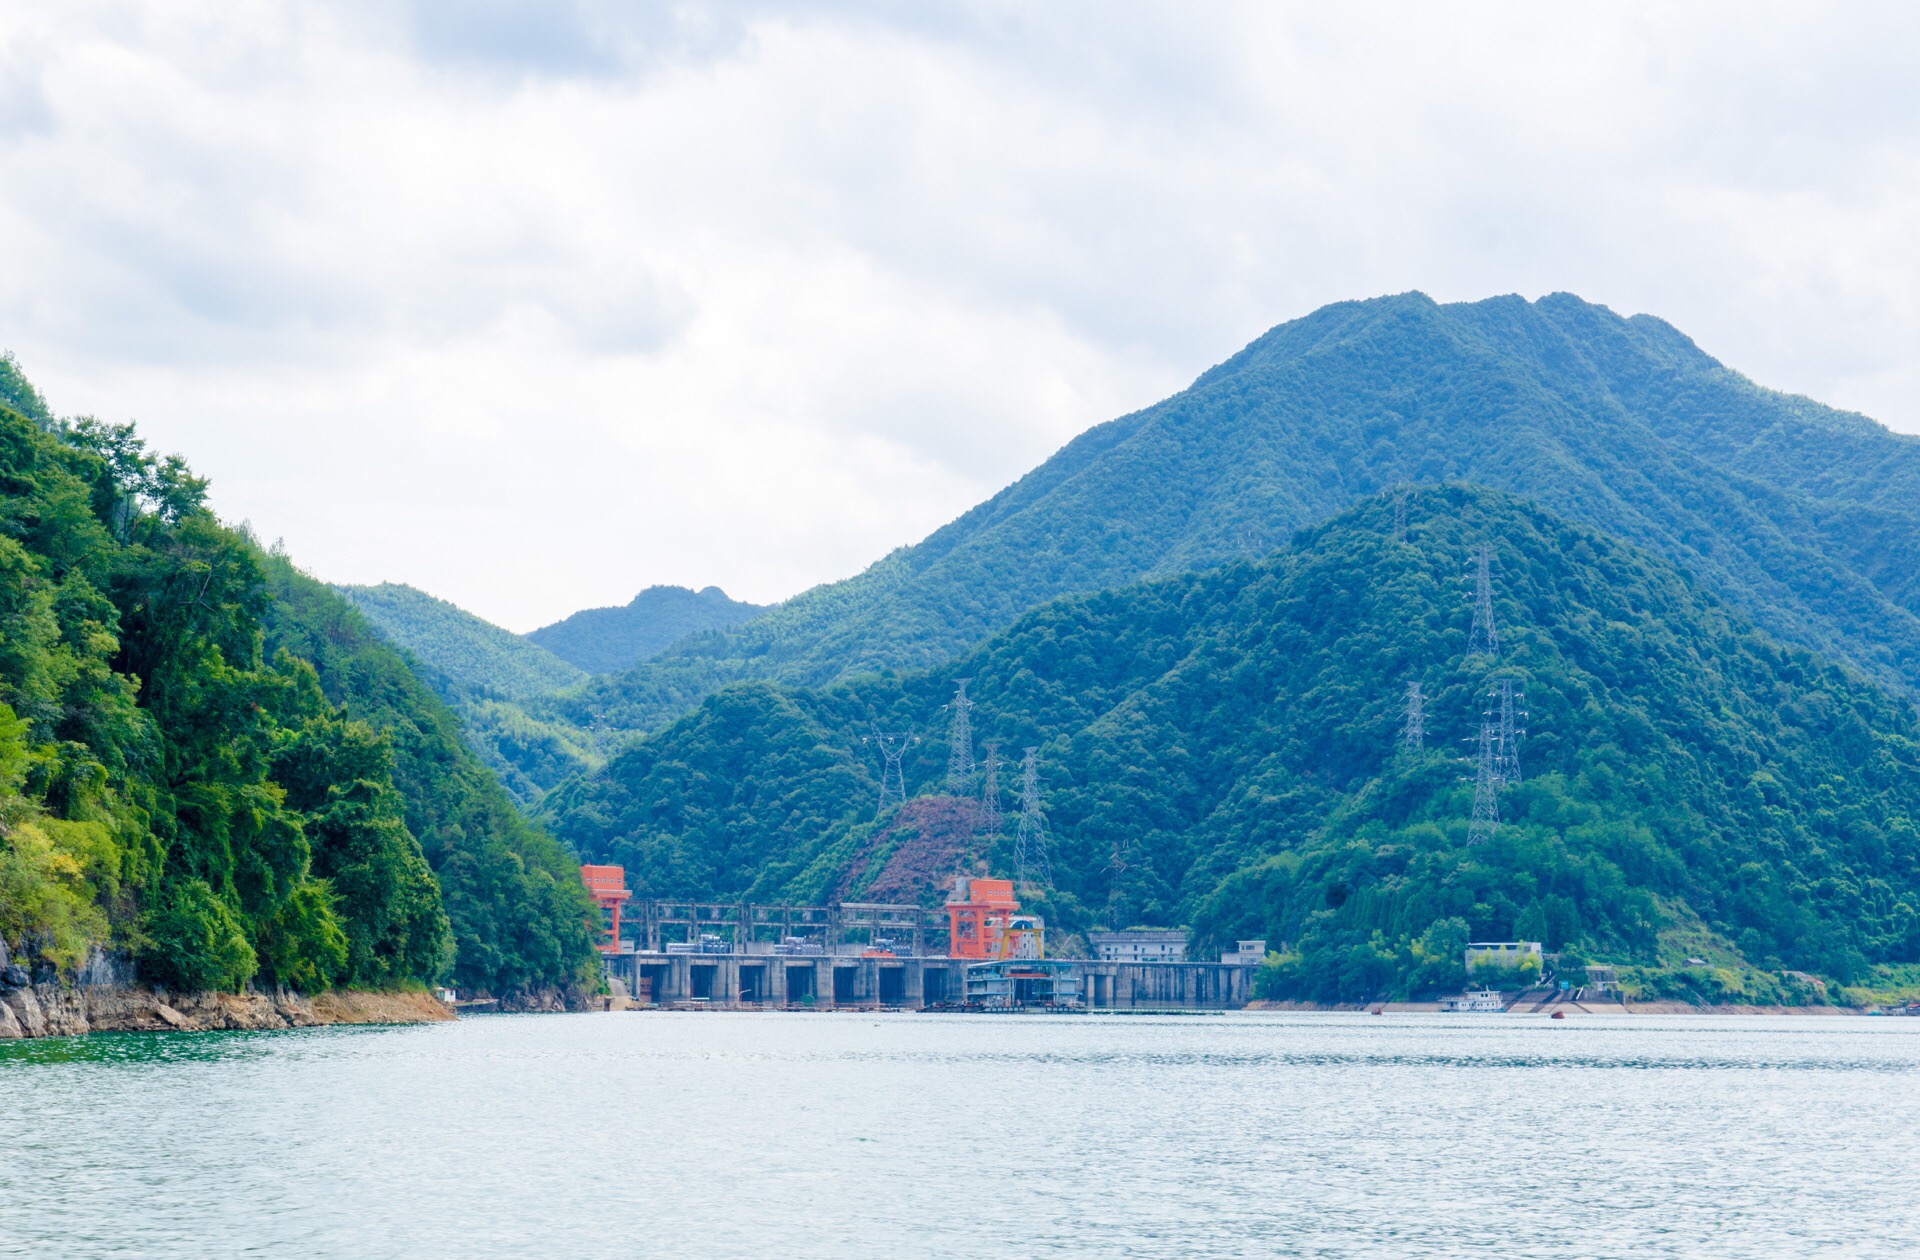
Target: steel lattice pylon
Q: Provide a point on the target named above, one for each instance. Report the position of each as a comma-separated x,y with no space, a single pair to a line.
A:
1414,735
1030,862
1486,785
960,742
990,796
1483,639
1506,766
893,747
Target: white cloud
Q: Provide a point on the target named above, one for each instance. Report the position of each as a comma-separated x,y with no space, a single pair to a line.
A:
531,305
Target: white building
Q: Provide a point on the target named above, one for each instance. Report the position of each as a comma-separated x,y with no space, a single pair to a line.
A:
1247,954
1140,945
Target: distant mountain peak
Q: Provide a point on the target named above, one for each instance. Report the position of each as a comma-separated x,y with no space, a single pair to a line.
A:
607,640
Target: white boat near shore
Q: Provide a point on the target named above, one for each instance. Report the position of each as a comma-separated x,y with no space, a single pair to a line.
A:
1485,1001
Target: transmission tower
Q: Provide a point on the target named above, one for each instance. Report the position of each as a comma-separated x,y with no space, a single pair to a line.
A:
1414,737
1030,864
1400,514
1507,751
1486,785
960,742
893,747
1483,639
990,795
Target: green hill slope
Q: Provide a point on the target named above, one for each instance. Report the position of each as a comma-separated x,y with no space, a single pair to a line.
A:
1220,749
521,919
472,655
492,678
607,640
1802,516
167,790
209,764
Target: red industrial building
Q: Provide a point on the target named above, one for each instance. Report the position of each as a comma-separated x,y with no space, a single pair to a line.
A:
608,884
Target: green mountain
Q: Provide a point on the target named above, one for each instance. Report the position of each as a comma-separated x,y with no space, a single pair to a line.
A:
520,917
1803,517
607,640
496,681
1222,749
466,654
208,763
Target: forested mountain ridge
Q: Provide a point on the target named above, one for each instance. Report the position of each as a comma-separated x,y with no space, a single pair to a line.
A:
177,787
1802,516
607,640
520,917
1219,748
492,678
469,654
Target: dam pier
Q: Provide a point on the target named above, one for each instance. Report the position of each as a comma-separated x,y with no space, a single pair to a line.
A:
876,956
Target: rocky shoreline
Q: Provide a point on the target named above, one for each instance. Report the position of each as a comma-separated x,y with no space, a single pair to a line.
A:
53,1010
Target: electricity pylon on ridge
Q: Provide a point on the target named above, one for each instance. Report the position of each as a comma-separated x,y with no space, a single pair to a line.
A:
1486,785
1400,513
893,747
1030,862
1483,639
990,795
1507,742
960,742
1413,737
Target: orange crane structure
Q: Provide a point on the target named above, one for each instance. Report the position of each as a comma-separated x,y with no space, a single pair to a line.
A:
984,922
608,885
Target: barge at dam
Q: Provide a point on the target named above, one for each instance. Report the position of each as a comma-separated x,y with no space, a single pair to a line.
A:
685,955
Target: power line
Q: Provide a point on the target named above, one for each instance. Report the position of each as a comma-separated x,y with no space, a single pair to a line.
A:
1030,862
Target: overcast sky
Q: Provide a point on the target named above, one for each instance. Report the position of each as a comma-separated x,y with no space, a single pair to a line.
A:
532,305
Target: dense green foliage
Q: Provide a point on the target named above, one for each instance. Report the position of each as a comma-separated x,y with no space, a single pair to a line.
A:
1803,517
167,788
210,762
521,918
463,653
607,640
493,679
1219,749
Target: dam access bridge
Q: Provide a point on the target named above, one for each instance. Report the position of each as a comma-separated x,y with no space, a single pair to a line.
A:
686,955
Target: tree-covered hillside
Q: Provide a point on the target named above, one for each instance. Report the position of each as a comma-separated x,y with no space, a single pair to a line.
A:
521,918
1221,749
607,640
180,784
463,653
1803,517
494,680
168,788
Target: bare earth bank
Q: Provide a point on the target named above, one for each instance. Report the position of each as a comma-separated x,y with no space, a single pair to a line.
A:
48,1010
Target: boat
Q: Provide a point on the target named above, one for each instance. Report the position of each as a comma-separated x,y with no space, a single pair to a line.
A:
1487,1001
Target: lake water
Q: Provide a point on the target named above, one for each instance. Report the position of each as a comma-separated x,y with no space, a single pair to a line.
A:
845,1135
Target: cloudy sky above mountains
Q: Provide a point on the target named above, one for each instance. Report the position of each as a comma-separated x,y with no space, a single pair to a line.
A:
531,305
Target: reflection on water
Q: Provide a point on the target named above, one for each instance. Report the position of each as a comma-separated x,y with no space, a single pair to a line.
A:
840,1135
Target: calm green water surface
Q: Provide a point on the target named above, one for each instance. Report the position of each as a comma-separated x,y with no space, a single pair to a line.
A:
843,1135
